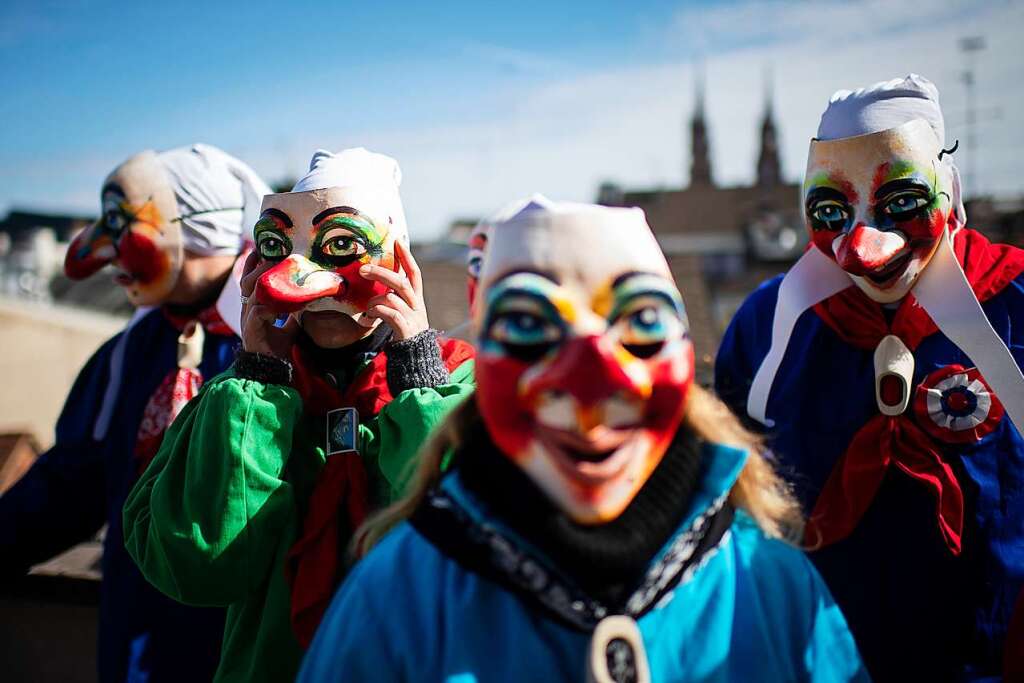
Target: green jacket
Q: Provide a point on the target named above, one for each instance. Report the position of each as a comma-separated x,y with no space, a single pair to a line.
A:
213,517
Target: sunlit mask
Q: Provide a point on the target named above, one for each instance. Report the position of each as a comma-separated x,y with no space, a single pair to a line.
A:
318,240
139,233
584,359
475,261
877,204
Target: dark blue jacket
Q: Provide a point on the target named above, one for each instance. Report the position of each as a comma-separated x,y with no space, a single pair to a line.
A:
918,612
81,484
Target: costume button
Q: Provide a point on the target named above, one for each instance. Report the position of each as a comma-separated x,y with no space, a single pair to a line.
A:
894,372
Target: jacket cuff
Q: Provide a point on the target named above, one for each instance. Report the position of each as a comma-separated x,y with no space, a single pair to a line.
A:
263,368
415,363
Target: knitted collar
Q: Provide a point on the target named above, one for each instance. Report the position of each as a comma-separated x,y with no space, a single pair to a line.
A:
605,559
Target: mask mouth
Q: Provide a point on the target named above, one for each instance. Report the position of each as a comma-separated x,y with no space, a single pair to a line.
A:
893,268
594,458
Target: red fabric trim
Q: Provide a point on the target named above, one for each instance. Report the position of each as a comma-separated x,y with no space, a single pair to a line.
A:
859,321
340,500
854,481
209,318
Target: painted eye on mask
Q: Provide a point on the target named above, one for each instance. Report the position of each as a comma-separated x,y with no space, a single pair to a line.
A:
904,206
647,324
524,334
272,246
829,215
345,244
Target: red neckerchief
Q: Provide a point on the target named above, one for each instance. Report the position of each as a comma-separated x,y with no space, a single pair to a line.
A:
340,500
177,388
898,440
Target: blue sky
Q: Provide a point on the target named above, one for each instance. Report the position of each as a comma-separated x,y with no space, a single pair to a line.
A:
480,103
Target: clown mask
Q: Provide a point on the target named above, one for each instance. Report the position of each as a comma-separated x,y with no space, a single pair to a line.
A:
139,233
475,260
877,204
584,356
318,240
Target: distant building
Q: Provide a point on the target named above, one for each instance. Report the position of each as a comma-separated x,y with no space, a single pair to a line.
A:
722,241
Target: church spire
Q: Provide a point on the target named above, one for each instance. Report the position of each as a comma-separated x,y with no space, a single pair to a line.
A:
700,165
769,168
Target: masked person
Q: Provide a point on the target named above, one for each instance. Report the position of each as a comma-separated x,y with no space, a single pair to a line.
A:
477,249
879,365
251,499
172,227
593,524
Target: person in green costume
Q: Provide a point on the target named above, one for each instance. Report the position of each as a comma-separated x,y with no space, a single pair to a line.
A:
259,483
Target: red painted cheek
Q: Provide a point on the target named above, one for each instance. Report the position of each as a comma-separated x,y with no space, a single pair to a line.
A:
823,241
671,380
922,232
508,418
141,258
471,286
359,290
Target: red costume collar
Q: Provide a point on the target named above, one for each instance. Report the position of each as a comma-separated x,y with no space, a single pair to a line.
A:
861,322
340,500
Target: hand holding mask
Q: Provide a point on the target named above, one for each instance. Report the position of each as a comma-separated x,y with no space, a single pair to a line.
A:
332,245
584,357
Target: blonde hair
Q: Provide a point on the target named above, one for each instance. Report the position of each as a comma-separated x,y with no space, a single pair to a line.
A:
760,491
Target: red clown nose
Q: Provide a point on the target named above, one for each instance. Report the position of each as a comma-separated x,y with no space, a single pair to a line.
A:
587,369
864,249
296,281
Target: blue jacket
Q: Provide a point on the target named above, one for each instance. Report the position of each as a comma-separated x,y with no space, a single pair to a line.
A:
754,609
918,612
81,484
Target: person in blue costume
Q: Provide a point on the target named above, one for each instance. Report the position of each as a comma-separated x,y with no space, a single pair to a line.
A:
884,369
600,517
173,227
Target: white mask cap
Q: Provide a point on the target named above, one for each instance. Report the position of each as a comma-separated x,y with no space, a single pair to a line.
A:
218,198
357,167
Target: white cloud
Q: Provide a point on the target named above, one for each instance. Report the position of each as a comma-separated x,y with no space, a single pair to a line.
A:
563,137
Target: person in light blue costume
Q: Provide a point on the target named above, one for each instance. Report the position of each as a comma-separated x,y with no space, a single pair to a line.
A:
600,518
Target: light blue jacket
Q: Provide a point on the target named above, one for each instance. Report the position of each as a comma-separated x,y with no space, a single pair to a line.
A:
754,610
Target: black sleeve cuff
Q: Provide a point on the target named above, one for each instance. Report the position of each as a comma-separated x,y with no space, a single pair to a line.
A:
416,363
262,368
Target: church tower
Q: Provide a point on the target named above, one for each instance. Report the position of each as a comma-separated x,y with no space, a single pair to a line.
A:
769,168
700,165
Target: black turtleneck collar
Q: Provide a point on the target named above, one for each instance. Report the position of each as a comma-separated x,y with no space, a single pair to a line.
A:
342,363
606,560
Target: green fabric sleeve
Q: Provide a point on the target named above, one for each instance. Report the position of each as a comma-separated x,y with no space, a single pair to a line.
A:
205,519
394,437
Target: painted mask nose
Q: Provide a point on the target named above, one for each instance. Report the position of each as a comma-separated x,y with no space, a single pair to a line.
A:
296,281
865,249
91,249
588,369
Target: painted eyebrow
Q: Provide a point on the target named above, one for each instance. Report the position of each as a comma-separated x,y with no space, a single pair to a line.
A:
327,213
819,193
528,271
281,215
113,188
902,184
665,291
